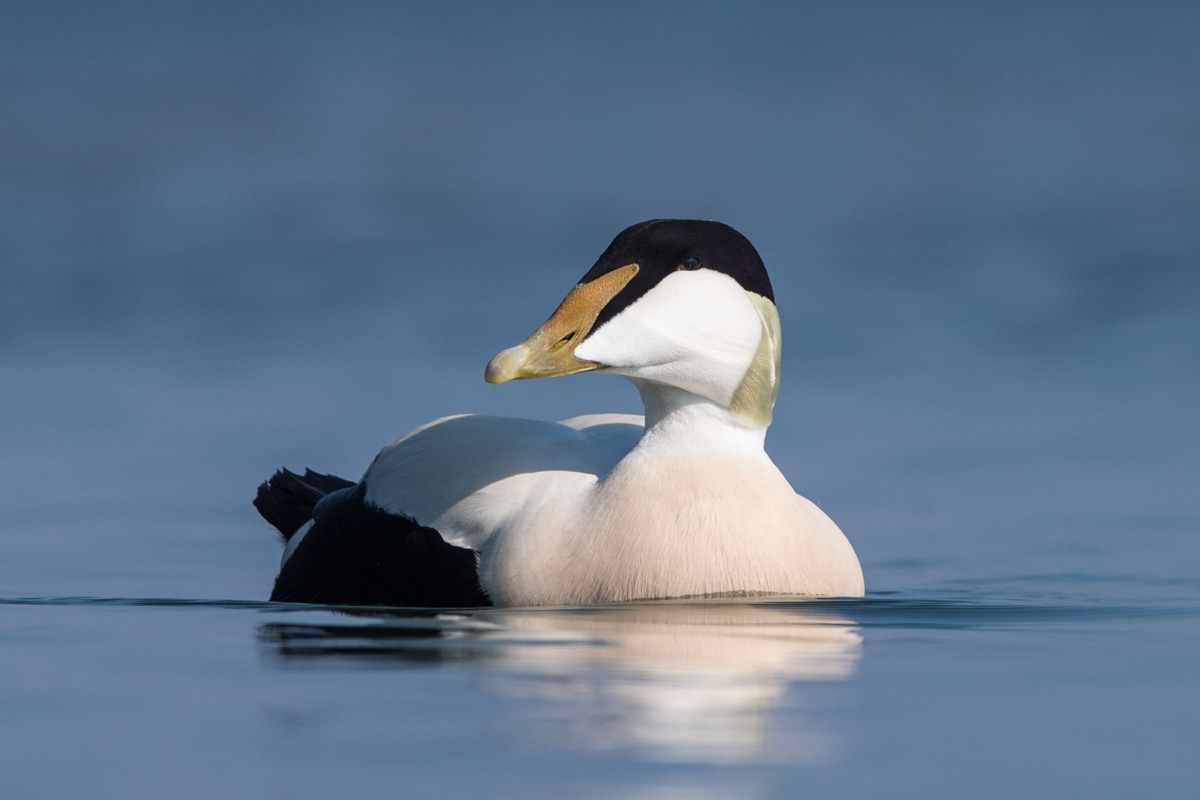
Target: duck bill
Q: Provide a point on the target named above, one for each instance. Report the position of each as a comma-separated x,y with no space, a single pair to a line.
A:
550,350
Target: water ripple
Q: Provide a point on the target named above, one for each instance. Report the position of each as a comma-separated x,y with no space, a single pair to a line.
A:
877,609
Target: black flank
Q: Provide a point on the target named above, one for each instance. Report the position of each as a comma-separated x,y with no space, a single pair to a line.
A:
358,554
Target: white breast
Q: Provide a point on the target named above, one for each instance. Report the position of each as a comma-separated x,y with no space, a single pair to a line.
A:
660,528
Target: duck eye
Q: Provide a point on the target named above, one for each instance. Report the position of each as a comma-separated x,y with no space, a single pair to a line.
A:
690,263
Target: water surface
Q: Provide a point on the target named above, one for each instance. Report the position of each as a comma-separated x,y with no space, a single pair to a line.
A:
937,695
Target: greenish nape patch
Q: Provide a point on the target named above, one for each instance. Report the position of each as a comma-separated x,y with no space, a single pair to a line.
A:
755,396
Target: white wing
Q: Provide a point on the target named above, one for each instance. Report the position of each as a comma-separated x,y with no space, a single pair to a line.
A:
467,475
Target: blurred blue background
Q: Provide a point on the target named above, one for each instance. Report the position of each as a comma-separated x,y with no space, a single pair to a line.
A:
239,236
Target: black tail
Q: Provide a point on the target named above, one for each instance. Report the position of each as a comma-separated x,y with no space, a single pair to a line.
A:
287,499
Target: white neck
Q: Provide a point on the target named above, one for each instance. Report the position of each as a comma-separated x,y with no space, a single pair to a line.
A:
687,422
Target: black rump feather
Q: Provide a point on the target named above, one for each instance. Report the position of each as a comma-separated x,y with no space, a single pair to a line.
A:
287,499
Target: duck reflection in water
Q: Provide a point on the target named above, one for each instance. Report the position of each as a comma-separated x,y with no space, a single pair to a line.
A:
672,681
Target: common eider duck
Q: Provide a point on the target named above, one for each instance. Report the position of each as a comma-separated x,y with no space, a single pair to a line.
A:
477,510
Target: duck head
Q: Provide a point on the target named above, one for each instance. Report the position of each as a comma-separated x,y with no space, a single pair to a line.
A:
680,303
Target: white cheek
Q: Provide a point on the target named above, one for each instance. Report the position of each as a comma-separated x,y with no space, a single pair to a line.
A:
695,330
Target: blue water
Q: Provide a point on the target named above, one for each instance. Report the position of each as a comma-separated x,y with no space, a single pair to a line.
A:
238,238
